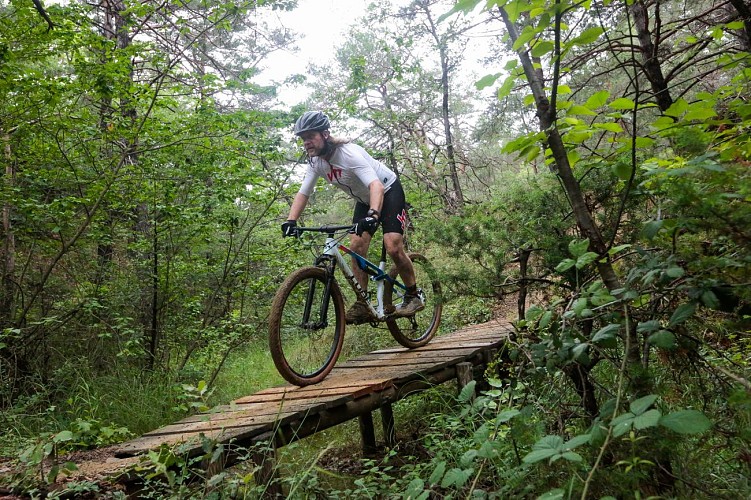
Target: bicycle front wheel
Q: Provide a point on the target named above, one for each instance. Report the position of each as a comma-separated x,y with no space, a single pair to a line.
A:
416,330
306,326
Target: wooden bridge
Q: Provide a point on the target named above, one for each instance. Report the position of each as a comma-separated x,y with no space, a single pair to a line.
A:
354,389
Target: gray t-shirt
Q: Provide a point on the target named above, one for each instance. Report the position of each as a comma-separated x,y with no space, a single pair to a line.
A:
351,169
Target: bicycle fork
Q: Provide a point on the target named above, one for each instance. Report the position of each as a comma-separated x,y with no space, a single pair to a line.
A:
322,321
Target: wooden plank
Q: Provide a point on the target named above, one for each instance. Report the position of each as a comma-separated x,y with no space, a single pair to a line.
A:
268,408
459,352
416,365
319,395
469,342
328,383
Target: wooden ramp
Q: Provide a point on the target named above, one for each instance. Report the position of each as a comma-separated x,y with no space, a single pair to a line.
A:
354,389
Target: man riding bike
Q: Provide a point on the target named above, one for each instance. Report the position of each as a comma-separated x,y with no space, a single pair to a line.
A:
379,200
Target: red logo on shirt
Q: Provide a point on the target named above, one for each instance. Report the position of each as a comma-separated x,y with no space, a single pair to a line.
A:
335,173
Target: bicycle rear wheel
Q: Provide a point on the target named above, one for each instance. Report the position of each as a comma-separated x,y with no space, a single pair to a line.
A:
417,330
306,326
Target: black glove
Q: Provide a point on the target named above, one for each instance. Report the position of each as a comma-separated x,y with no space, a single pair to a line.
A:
289,228
368,224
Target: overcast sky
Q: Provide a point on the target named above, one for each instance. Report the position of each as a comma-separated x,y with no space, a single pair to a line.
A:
322,25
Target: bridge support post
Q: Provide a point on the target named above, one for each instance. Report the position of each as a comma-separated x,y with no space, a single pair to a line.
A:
367,432
488,357
464,374
264,456
387,419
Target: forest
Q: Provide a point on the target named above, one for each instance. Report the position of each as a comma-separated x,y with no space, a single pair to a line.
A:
588,181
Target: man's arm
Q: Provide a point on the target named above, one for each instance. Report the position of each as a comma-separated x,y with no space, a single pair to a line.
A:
376,195
298,205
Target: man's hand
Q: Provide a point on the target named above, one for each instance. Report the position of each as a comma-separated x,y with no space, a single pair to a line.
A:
289,228
368,224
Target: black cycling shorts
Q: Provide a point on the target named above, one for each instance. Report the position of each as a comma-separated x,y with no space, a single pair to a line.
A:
393,211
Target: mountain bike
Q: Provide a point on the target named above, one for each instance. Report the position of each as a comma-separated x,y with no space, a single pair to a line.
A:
307,320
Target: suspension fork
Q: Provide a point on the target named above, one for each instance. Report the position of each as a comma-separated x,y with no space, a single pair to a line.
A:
327,263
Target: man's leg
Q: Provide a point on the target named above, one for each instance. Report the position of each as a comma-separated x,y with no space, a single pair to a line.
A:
360,245
395,248
358,312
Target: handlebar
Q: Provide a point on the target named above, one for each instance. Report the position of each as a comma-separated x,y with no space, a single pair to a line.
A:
329,230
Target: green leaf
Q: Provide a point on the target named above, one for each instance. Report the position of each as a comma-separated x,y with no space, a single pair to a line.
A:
648,326
568,455
486,81
598,99
63,436
677,108
556,494
578,247
438,472
618,248
674,272
641,405
541,48
623,170
588,36
507,87
577,136
578,109
468,457
415,488
647,419
686,422
609,126
709,299
579,351
538,455
464,6
527,34
506,415
546,319
622,424
663,122
651,229
533,313
565,265
585,259
455,477
606,336
663,339
682,313
622,103
576,441
700,114
489,449
467,391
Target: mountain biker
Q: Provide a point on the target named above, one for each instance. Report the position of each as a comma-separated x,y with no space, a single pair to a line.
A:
379,200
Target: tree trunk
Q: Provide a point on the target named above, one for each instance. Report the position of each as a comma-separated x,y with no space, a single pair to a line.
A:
652,67
744,11
456,196
521,304
9,244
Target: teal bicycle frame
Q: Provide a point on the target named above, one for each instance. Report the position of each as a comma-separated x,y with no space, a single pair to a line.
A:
334,251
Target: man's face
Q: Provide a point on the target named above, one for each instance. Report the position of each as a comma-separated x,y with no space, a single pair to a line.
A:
314,142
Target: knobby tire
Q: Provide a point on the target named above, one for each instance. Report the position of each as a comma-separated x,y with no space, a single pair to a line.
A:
305,352
417,330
